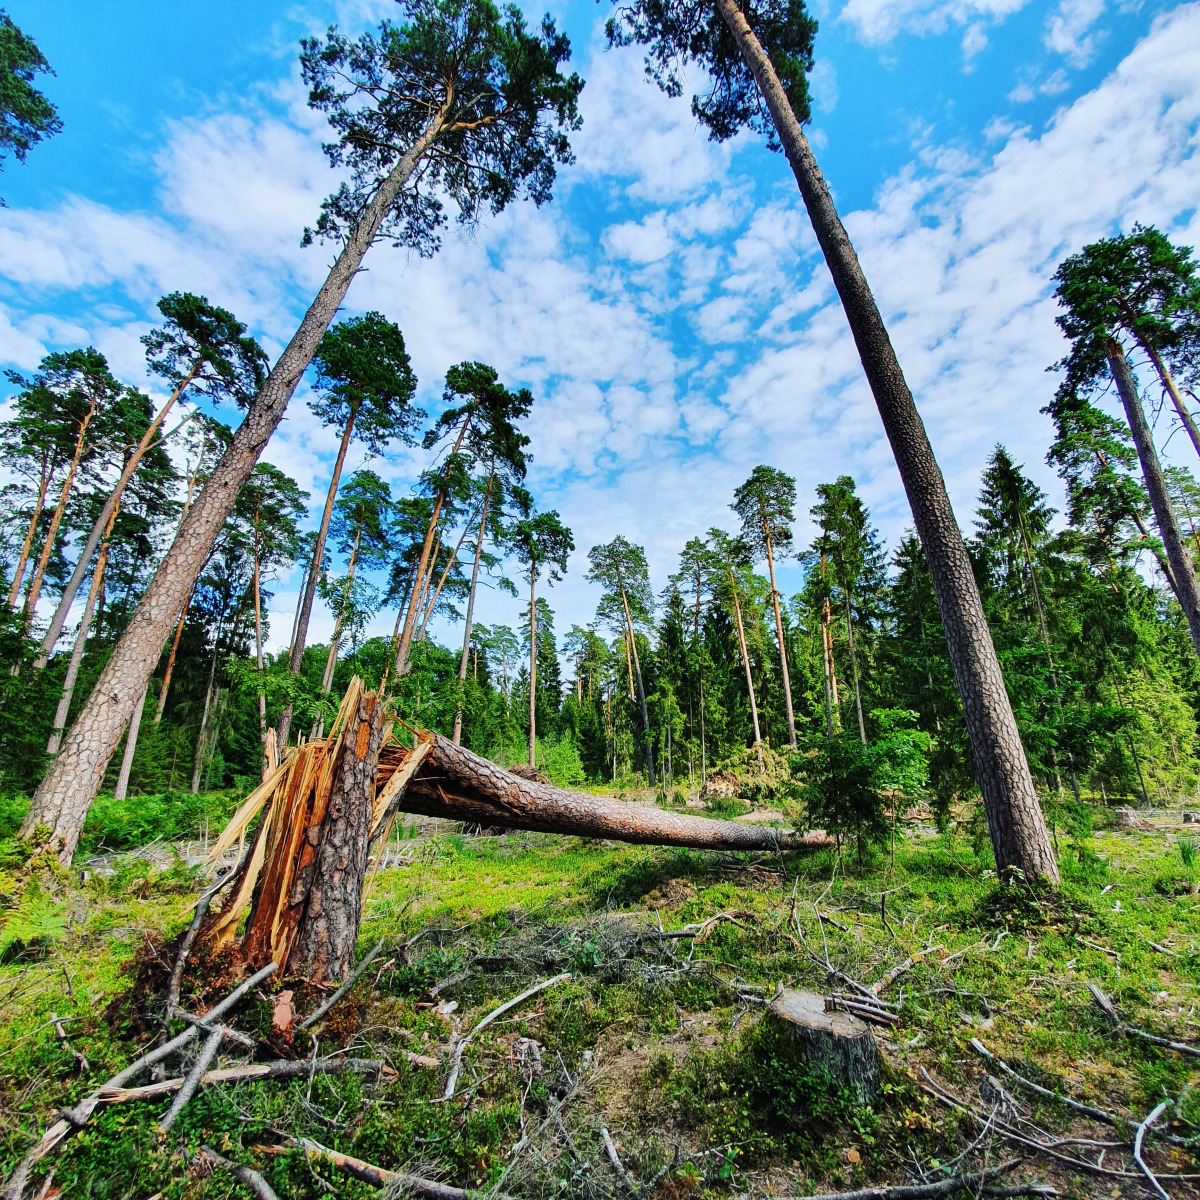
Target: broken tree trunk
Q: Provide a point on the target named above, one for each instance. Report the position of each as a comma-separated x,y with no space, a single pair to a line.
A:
452,782
838,1044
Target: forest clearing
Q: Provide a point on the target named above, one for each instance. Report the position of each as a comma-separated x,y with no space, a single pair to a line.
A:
388,809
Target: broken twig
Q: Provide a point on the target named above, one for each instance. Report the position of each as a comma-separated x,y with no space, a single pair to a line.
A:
354,977
250,1178
1138,1138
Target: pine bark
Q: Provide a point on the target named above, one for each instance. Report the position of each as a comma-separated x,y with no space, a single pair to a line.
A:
66,792
328,931
1015,821
1160,501
452,782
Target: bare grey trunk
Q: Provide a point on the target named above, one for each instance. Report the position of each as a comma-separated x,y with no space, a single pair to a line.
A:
131,741
300,634
1015,821
1164,512
66,792
641,691
741,632
532,667
783,660
462,662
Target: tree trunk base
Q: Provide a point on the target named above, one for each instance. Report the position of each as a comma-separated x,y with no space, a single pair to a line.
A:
838,1044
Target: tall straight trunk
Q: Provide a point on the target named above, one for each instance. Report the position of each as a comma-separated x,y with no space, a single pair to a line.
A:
1018,829
258,639
66,792
27,545
628,664
532,668
39,571
783,661
741,632
202,738
406,635
1164,512
862,729
462,662
428,580
54,632
432,604
641,691
332,657
166,683
300,636
131,741
1164,374
81,637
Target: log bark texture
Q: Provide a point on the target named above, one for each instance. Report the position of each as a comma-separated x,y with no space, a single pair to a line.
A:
452,782
837,1043
1015,821
328,931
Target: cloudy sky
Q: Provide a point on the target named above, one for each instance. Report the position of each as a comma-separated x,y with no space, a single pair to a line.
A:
669,309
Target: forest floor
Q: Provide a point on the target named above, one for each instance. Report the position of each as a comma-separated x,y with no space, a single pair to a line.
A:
660,1040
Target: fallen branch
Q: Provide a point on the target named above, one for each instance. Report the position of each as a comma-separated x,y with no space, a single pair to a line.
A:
284,1068
78,1117
251,1178
610,1149
188,1088
1109,1009
860,1008
946,1187
412,1185
1138,1138
456,1062
354,977
890,977
63,1037
1097,1114
189,938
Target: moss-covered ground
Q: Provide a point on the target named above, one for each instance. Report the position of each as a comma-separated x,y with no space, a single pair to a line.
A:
660,1040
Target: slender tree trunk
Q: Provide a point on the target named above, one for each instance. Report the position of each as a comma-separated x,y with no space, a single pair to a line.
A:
831,698
862,729
300,636
68,788
641,691
166,683
54,632
1018,829
425,583
432,605
783,660
39,504
258,639
332,657
406,636
131,741
1164,375
1160,500
202,739
462,662
532,668
39,571
741,632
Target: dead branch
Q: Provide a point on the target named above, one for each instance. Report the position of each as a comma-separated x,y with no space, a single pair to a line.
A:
860,1008
354,977
188,1088
251,1178
1109,1009
1138,1138
63,1037
950,1186
284,1068
189,938
1097,1114
456,1062
610,1149
78,1117
412,1185
890,977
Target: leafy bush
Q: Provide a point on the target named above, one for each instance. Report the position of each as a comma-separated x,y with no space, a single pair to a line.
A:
138,820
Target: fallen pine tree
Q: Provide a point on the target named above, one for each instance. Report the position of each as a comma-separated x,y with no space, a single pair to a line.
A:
303,875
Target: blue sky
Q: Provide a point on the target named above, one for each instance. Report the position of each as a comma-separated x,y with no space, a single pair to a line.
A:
668,309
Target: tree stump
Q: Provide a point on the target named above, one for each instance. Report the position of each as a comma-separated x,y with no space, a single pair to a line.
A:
837,1043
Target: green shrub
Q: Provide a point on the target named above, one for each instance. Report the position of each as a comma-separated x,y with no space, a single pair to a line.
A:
137,820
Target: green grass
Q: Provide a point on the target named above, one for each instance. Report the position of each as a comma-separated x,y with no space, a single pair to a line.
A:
658,1045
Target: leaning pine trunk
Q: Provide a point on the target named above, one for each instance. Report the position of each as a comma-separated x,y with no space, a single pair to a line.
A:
23,558
1164,512
328,931
1015,821
462,662
70,785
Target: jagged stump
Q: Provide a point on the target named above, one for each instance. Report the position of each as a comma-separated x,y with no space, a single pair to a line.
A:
836,1043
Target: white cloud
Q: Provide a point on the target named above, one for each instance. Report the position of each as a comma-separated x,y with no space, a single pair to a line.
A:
1069,30
878,21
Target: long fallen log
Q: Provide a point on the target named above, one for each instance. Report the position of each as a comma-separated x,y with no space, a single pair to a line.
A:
452,782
